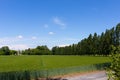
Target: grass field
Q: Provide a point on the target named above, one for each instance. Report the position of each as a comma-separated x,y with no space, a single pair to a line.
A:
18,63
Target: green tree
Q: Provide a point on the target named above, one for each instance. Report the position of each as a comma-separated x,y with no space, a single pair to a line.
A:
39,50
54,49
114,72
5,50
13,52
117,34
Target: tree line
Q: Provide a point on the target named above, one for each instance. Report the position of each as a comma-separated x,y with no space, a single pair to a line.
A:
39,50
6,51
92,45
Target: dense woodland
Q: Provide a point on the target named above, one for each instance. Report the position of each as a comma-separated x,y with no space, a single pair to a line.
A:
92,45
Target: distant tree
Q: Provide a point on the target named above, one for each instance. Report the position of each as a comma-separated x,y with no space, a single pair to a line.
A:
54,49
13,52
5,50
117,34
90,44
39,50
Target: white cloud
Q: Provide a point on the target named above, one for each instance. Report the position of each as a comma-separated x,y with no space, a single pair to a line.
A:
34,37
7,40
14,43
31,42
20,36
57,21
18,47
46,26
63,45
51,33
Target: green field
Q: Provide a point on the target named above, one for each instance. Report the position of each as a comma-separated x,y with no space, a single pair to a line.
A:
18,63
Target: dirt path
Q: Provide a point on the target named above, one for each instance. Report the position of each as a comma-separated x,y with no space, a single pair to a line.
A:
97,75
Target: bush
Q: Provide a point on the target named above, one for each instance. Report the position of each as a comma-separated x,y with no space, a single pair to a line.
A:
114,70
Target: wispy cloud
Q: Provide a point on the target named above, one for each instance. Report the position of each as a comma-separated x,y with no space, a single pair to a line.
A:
57,21
31,42
20,37
15,43
63,45
34,37
51,33
19,46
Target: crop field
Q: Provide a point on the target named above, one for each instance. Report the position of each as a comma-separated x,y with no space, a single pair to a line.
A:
21,63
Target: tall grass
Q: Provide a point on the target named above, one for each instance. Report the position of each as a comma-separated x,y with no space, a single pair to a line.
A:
34,67
22,63
28,75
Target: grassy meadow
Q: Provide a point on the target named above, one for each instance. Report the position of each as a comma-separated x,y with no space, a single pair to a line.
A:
21,63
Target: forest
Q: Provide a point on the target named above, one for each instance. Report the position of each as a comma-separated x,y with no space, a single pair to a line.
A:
92,45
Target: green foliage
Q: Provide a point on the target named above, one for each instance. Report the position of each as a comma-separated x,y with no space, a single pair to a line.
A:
92,45
114,71
13,52
5,50
15,75
39,50
74,69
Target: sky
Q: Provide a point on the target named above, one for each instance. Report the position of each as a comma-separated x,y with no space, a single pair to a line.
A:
30,23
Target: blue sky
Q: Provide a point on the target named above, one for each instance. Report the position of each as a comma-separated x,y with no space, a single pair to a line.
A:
29,23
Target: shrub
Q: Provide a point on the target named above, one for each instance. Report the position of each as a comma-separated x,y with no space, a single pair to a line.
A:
114,70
